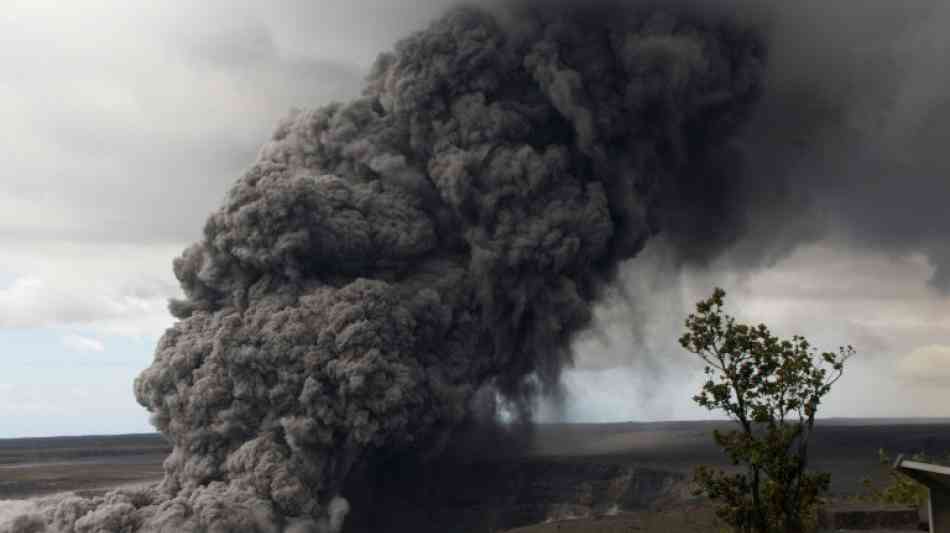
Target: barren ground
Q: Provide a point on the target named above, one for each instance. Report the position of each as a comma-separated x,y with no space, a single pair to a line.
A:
87,465
846,448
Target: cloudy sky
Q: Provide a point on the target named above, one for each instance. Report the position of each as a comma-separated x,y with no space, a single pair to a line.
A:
127,121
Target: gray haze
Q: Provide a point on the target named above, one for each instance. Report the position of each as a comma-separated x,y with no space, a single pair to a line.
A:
385,259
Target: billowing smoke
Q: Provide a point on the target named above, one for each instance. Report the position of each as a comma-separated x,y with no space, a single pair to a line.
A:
385,260
847,142
846,148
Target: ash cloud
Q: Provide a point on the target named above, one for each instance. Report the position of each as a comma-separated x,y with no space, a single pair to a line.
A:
388,259
847,142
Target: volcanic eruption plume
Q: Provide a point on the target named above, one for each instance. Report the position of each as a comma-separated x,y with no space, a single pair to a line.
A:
385,259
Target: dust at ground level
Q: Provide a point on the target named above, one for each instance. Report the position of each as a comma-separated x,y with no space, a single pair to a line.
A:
550,469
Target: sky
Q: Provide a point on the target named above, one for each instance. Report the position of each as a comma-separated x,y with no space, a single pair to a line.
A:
126,122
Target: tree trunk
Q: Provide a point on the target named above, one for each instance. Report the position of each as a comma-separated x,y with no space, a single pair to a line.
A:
759,522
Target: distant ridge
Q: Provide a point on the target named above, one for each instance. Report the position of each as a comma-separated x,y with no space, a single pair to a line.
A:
8,442
874,421
835,421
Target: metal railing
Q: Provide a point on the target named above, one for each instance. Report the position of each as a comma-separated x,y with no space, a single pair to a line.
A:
937,480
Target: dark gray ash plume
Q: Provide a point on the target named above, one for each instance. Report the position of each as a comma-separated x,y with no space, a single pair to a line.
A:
847,143
387,258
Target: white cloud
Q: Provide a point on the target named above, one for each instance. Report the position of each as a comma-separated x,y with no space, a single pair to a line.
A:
34,302
106,289
927,365
83,344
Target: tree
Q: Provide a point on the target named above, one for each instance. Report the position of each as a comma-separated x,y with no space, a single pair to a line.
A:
772,389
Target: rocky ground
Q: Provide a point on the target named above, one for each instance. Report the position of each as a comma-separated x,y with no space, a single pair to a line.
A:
688,518
591,478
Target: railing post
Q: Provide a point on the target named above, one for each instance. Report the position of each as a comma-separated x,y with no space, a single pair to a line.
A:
939,509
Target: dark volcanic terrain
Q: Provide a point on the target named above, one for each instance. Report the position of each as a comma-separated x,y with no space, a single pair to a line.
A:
40,466
608,471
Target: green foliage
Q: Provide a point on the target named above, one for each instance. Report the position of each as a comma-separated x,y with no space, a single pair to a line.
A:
772,388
